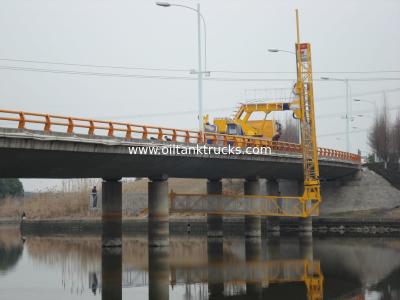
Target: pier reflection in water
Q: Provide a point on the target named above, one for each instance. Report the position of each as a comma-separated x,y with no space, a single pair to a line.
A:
111,273
199,268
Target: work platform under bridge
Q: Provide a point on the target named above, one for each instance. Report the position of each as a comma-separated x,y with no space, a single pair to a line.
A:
255,205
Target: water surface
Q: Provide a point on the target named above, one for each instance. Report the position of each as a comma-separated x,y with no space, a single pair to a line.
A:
70,267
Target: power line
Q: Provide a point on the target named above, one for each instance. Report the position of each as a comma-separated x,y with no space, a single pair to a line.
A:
175,113
86,73
186,70
341,133
376,92
315,72
142,76
93,66
220,109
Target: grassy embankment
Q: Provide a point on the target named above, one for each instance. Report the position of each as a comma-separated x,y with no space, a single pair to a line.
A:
73,203
47,205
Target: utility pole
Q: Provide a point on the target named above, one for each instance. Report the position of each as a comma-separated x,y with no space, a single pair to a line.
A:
348,108
348,116
200,70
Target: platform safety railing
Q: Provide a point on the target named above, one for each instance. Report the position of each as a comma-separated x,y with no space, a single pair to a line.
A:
253,205
254,271
94,127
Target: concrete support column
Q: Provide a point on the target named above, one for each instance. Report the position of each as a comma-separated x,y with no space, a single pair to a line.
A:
111,212
273,225
214,221
305,224
253,251
300,187
306,247
215,252
252,224
159,273
273,248
111,273
158,223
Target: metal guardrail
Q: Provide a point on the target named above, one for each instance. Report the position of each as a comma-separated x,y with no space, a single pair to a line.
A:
48,123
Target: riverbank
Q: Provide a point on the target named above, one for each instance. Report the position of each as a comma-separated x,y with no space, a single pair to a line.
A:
366,195
11,222
232,227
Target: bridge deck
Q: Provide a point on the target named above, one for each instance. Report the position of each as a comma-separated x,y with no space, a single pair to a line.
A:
38,154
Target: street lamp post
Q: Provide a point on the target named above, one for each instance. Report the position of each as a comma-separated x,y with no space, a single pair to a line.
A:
200,71
348,113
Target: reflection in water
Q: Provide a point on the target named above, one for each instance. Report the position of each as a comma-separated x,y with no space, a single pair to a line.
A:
111,273
93,282
11,247
159,273
253,257
215,254
201,268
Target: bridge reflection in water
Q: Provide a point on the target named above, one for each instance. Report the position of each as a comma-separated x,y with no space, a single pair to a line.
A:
220,276
200,268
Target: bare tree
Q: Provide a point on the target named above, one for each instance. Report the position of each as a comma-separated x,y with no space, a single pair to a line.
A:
379,136
395,137
290,132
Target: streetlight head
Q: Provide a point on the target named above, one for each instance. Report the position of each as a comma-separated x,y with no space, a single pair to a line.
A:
163,4
325,78
357,100
273,50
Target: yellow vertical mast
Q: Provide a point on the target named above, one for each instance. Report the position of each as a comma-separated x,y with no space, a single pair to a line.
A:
304,88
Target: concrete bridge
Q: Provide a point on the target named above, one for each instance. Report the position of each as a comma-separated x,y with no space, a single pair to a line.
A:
59,155
46,146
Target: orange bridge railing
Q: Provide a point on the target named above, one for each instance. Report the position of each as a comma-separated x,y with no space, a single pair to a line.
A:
73,125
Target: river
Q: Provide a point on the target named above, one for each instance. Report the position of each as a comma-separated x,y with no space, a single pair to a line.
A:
194,267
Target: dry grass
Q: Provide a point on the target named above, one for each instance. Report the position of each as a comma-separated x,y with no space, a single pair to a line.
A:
175,184
10,237
72,203
85,252
48,205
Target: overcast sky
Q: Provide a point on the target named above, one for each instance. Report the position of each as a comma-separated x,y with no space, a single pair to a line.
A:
346,36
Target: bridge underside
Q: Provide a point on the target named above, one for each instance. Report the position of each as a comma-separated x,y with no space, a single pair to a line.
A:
63,164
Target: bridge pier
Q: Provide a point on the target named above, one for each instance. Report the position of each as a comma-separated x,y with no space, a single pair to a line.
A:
273,223
214,221
158,273
253,250
252,224
306,247
111,212
273,248
305,224
158,223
